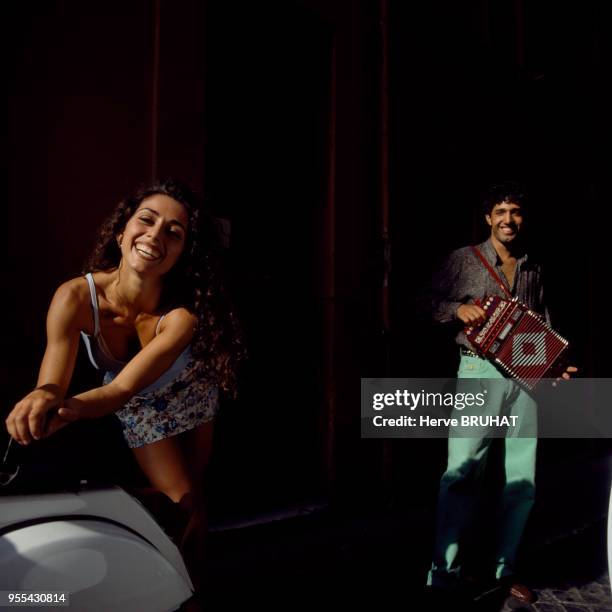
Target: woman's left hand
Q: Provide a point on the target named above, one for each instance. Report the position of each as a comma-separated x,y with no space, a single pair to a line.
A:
71,410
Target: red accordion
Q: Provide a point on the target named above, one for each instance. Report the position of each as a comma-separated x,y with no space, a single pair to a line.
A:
519,341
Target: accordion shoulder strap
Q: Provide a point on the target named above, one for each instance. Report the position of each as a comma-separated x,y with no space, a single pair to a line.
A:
492,272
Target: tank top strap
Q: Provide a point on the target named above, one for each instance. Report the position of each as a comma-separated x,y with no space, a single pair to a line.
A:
158,322
94,303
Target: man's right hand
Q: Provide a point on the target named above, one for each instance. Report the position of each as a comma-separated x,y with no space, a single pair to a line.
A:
27,419
470,314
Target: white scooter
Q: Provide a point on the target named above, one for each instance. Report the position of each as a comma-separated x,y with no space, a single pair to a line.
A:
99,546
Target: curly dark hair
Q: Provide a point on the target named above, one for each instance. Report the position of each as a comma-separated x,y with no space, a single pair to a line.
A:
195,282
507,191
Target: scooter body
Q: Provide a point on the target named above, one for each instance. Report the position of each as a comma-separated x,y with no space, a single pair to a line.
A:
100,546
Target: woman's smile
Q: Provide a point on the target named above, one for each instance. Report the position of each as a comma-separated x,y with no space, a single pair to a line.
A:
155,234
149,253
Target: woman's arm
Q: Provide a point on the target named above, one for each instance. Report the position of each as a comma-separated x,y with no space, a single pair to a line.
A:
27,419
143,369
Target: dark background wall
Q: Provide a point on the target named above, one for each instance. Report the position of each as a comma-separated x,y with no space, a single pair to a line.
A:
277,112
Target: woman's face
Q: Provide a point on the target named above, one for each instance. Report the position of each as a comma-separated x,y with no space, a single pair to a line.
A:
154,237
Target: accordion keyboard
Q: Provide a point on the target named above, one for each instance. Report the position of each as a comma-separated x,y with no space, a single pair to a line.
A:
518,340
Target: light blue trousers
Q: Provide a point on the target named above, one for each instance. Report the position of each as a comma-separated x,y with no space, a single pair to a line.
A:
462,481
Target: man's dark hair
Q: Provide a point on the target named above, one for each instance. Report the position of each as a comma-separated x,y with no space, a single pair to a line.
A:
508,191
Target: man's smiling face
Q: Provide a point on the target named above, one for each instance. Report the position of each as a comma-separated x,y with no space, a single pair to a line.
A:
505,220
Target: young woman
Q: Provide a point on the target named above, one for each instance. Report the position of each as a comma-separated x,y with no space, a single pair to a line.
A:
154,317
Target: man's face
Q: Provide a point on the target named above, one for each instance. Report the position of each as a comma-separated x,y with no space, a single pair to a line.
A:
506,220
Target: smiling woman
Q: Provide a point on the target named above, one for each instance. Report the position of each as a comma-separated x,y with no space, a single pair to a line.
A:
154,316
156,233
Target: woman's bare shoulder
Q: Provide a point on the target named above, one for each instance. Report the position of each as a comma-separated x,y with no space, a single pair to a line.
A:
74,299
102,278
73,290
179,317
180,314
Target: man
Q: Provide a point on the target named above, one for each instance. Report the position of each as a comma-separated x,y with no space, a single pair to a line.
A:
463,279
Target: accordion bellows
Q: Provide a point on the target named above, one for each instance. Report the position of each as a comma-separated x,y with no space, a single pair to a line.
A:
519,341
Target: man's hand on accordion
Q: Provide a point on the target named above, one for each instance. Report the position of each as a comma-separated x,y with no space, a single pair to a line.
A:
566,375
471,314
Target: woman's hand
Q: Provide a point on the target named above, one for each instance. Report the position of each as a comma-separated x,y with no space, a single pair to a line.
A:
27,420
69,312
70,410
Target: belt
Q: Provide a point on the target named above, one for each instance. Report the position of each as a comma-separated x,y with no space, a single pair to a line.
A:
468,353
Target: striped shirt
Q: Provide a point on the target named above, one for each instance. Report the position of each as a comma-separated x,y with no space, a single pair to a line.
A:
463,278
